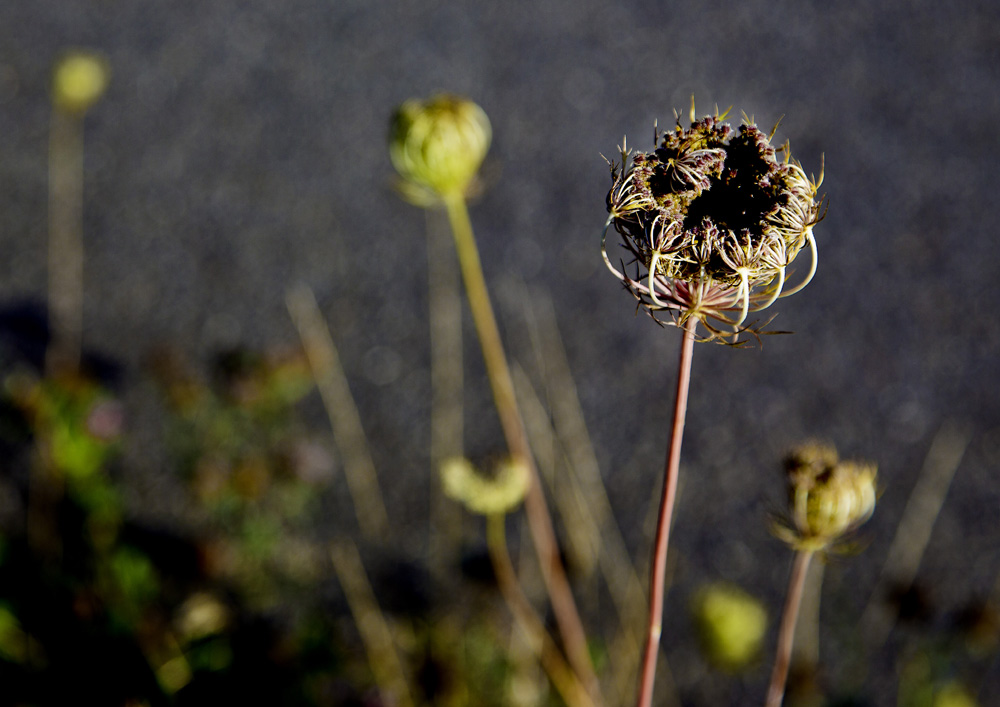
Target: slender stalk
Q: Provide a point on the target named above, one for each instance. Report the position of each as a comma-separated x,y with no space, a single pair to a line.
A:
501,382
783,657
671,469
345,420
445,318
376,634
562,676
913,533
65,242
65,313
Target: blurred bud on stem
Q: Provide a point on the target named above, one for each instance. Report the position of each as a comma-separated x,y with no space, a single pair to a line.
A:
438,145
827,497
79,80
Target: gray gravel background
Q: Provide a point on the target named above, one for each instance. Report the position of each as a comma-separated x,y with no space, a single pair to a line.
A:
241,148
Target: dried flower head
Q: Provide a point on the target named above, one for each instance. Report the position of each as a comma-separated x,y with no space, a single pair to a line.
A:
712,218
438,145
827,497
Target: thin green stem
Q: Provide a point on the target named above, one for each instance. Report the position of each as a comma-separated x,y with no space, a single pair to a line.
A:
657,581
562,676
65,242
445,319
786,634
539,520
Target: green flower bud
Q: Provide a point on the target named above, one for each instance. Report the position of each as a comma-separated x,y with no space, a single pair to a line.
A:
827,498
439,144
731,625
78,81
487,496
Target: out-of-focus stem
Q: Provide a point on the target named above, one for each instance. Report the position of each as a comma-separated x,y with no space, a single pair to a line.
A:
383,658
445,318
65,298
786,634
501,382
562,676
913,533
65,310
659,568
348,432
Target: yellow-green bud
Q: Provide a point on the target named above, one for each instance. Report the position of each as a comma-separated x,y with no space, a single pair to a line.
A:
486,496
731,625
79,80
827,497
439,144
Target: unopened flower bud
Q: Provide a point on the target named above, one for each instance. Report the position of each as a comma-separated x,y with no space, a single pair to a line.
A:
827,497
439,144
731,625
487,496
78,81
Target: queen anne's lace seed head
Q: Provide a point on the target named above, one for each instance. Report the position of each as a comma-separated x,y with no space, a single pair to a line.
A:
712,219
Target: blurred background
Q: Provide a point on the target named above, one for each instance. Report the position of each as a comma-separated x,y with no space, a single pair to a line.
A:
240,151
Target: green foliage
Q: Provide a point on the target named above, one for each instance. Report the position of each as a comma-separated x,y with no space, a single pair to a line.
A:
74,419
13,639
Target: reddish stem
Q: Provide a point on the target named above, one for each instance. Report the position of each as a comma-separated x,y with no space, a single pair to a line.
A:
658,579
783,658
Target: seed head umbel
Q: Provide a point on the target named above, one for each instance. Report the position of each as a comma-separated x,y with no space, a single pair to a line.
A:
438,145
712,218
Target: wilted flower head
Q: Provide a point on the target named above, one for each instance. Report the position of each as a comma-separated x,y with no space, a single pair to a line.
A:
502,493
438,145
712,219
827,497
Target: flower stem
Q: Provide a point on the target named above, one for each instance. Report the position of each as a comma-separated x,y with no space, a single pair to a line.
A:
65,243
562,676
539,520
783,657
666,512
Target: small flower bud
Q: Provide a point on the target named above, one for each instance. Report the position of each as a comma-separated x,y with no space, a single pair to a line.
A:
827,497
731,625
439,144
78,81
486,496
